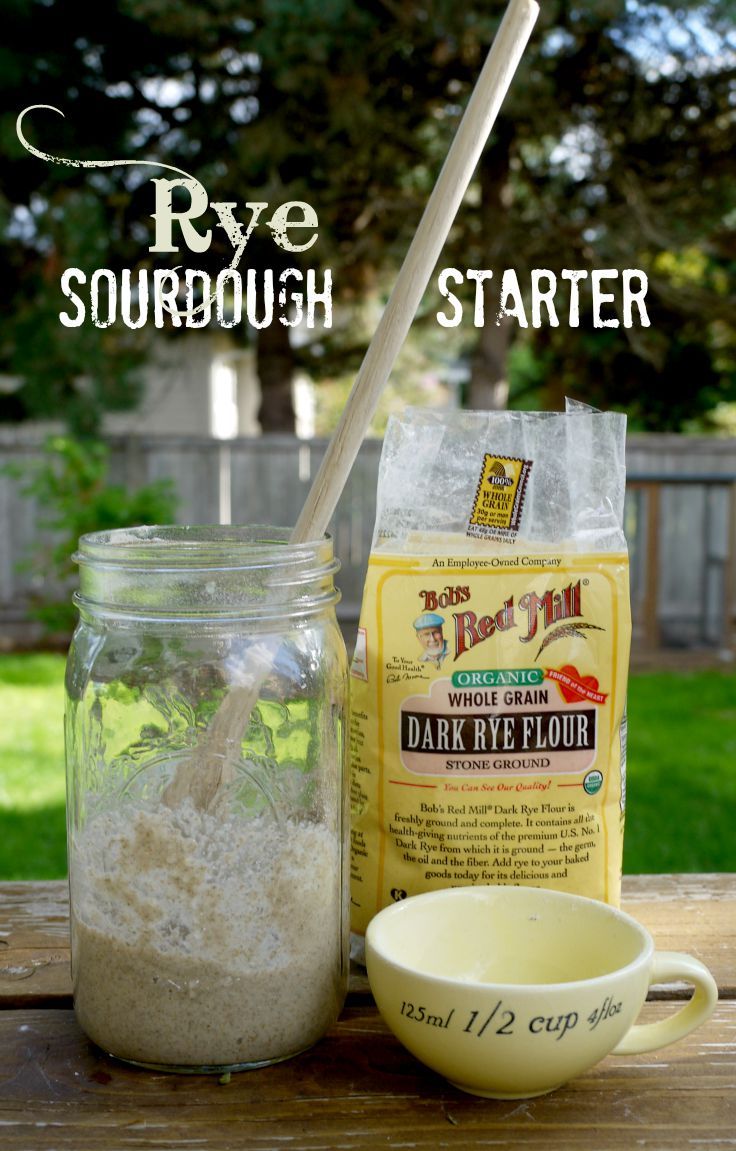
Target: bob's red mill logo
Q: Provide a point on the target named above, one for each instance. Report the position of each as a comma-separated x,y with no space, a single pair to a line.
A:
551,608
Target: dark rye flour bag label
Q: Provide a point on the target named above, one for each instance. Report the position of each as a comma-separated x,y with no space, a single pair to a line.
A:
488,684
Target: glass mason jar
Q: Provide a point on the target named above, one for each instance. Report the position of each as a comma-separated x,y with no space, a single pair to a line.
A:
205,732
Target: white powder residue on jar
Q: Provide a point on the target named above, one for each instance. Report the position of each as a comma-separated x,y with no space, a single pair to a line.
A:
202,941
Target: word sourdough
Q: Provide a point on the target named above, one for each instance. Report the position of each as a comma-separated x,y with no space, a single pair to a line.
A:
135,297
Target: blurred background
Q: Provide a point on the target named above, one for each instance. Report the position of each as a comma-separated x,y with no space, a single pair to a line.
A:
615,149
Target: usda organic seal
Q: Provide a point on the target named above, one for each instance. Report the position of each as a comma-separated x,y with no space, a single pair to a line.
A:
593,782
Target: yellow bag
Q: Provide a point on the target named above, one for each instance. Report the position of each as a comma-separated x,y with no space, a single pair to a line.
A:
488,729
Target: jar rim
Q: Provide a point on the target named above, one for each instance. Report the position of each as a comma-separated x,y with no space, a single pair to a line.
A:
202,571
221,547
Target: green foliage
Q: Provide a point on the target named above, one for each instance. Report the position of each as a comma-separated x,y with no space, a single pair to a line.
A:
79,372
71,486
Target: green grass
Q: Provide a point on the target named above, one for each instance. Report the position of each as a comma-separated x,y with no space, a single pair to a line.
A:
681,798
681,777
32,787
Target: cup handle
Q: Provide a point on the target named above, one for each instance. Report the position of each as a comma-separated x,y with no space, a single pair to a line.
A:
670,967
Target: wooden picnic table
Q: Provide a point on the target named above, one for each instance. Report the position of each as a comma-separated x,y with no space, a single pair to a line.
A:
358,1088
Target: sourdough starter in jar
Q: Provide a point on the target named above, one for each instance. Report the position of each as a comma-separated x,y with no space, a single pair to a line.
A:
207,934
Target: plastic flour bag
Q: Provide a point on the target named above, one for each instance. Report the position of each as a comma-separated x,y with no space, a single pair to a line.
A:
488,729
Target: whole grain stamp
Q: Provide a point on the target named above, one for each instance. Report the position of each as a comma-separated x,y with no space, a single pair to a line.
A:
488,684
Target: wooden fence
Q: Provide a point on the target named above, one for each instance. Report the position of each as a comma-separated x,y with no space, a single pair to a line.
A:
680,520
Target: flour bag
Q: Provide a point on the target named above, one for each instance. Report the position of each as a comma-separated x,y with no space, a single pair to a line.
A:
488,684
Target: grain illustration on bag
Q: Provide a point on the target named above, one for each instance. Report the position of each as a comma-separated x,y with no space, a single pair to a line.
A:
488,684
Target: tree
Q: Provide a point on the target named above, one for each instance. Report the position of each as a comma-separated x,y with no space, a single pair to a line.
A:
107,70
614,149
652,186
